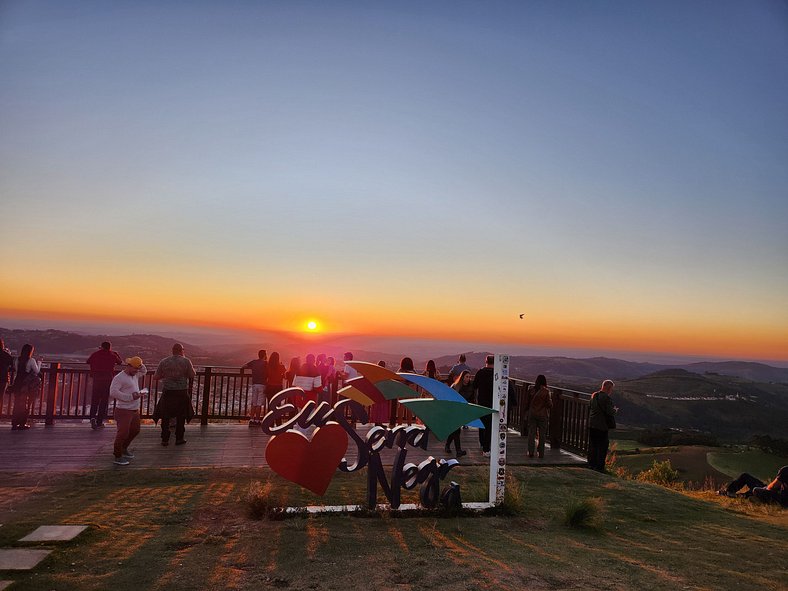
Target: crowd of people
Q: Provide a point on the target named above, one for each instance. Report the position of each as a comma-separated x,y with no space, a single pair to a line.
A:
320,380
318,376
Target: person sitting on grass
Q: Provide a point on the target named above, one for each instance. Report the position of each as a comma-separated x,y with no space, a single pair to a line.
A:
774,492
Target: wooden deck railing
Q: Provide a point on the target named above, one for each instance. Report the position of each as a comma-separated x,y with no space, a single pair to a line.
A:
568,422
225,393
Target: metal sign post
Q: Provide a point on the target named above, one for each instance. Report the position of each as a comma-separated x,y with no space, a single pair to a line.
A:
499,429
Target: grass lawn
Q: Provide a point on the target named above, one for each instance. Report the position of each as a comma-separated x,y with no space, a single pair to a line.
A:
188,529
754,461
627,444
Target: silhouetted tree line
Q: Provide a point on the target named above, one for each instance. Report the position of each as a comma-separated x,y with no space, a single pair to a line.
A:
772,445
666,437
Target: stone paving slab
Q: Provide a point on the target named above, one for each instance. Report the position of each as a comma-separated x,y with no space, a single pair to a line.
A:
5,584
21,558
54,533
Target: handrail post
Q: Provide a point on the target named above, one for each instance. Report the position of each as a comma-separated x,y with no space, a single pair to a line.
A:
51,391
206,392
522,401
557,419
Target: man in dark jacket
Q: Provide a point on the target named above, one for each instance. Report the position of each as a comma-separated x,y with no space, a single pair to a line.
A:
6,363
483,391
174,373
102,369
602,418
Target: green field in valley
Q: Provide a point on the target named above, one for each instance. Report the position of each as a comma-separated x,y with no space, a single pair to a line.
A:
701,465
758,463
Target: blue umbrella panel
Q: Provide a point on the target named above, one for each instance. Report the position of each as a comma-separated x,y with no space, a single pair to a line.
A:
439,391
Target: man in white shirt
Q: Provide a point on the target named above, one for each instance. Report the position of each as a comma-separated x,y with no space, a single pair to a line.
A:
125,389
348,372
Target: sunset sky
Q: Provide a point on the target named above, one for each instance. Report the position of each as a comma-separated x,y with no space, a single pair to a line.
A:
616,171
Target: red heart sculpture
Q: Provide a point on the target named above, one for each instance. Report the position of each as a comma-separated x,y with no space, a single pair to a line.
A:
310,464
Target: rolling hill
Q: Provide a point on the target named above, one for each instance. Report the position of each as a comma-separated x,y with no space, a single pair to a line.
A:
732,399
729,407
69,346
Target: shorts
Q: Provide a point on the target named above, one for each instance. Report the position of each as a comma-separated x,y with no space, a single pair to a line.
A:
258,394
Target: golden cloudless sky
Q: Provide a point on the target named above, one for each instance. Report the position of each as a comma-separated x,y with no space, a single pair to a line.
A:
615,173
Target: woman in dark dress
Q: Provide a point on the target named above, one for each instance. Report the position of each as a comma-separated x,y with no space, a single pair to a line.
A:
25,387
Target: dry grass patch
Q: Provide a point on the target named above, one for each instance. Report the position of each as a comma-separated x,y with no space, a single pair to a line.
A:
191,530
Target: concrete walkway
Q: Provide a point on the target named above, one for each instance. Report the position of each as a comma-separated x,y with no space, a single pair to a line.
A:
73,446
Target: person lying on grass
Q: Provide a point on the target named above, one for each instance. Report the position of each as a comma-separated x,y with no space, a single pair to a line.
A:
774,492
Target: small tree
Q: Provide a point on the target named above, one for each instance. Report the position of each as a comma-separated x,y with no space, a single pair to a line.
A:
660,473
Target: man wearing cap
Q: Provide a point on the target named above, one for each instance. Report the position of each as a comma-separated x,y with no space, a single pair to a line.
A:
125,390
102,366
174,372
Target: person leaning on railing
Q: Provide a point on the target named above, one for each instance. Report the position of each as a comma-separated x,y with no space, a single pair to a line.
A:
102,369
259,369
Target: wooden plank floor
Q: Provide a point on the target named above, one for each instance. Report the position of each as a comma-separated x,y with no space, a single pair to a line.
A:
70,446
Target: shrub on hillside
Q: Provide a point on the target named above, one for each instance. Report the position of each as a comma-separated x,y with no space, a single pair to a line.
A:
584,513
612,466
660,473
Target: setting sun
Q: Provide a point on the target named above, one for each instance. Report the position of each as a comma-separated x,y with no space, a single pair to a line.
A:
311,325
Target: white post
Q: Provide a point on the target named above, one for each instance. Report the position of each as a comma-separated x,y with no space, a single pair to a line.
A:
499,429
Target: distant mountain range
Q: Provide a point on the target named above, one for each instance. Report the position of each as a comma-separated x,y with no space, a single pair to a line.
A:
729,407
560,371
58,345
567,371
731,399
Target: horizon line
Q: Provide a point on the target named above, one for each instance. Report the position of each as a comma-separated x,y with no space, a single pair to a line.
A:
229,336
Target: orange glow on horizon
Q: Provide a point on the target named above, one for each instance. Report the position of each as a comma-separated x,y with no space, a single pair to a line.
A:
679,338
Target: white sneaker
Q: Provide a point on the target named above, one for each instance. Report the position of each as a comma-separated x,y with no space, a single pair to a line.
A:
128,454
486,454
121,461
